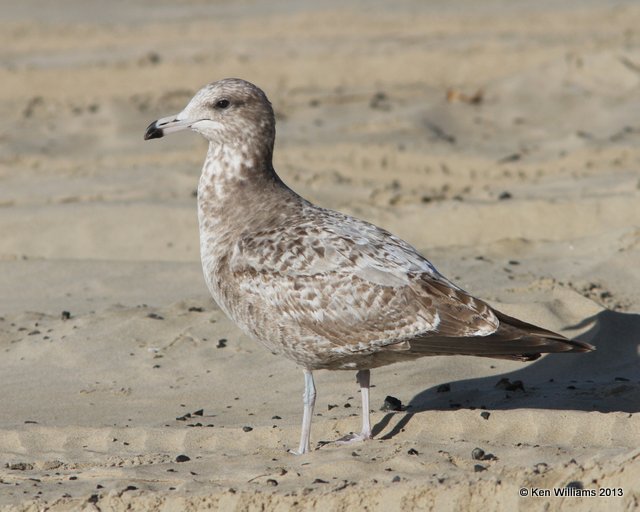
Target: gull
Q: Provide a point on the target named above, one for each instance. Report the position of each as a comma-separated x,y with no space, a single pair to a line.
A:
322,288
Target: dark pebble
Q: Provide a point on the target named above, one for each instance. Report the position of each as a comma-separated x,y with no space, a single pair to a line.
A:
346,406
485,414
199,412
504,196
182,458
479,468
94,498
540,467
396,479
380,101
247,428
391,403
477,454
196,309
413,451
222,342
514,157
130,488
443,388
20,466
272,482
30,422
155,316
320,481
331,406
73,478
65,315
276,417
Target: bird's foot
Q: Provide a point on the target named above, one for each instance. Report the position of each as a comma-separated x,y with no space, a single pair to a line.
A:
354,438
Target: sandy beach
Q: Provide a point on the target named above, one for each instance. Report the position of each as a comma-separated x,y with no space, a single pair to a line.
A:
501,139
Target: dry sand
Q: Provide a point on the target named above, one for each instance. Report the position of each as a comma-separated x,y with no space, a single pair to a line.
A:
500,138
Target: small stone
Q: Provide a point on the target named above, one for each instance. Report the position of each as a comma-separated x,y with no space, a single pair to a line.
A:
320,481
391,403
478,468
505,195
276,417
65,315
222,342
514,157
199,412
272,482
20,466
247,428
413,451
477,454
396,479
196,309
485,414
540,467
155,316
380,101
182,458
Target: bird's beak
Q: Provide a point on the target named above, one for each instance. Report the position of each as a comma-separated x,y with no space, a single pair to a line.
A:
166,125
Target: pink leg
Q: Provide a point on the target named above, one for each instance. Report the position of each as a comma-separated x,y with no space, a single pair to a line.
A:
363,378
309,398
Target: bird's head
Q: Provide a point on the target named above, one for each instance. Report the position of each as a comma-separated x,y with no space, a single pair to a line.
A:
228,112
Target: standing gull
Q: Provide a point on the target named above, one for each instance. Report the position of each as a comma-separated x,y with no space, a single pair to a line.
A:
322,288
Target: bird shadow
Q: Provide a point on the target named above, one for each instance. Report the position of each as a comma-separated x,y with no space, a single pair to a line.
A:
605,380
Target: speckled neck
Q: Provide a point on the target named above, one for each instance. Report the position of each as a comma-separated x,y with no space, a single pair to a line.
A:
238,189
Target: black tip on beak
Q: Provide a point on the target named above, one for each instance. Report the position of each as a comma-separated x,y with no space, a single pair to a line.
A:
153,132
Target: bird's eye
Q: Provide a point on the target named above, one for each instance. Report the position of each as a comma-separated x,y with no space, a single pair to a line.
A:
222,104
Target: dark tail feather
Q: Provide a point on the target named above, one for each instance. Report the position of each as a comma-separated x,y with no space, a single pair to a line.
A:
514,339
